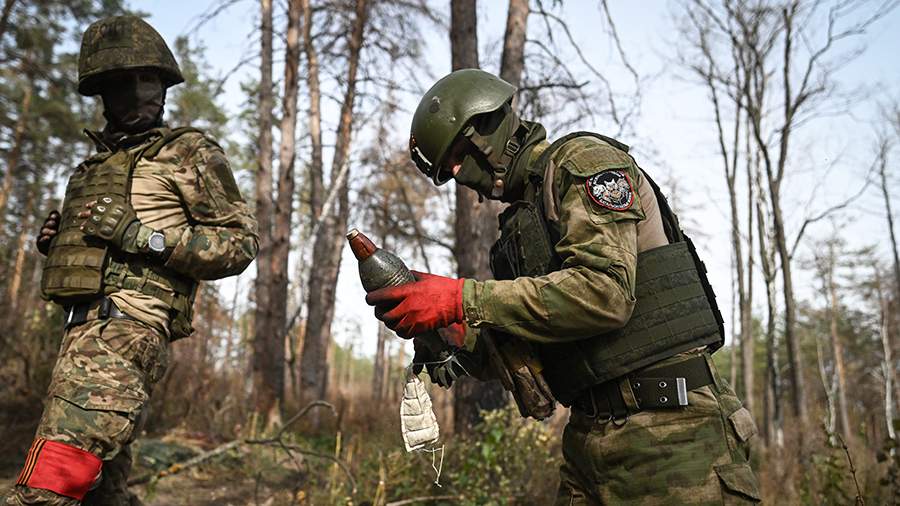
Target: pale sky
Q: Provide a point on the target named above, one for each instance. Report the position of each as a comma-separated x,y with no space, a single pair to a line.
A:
674,124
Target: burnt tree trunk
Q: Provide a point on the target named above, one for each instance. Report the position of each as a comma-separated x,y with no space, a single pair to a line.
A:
268,380
329,241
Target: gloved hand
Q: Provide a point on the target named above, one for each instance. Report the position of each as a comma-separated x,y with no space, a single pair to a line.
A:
48,230
113,220
454,335
443,366
430,303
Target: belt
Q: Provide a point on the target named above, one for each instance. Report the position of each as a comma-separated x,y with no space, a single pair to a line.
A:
654,387
80,313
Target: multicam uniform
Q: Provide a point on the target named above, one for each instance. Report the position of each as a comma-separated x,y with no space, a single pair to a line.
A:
113,352
569,264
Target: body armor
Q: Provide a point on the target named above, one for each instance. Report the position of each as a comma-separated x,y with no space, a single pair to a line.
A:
675,310
80,268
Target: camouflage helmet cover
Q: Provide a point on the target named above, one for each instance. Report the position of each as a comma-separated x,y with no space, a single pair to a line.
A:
121,43
446,109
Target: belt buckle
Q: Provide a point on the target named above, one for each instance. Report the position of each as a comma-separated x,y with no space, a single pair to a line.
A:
681,388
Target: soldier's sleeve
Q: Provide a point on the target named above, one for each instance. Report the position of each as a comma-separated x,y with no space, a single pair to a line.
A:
593,292
221,239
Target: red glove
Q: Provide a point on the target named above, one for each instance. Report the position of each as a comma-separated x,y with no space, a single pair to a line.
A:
430,303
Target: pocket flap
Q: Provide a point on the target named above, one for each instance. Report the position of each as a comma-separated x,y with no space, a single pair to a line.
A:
100,397
739,478
743,424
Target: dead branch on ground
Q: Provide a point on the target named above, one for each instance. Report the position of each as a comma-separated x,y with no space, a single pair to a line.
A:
276,440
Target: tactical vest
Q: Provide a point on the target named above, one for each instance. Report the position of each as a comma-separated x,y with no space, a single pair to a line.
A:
80,268
675,310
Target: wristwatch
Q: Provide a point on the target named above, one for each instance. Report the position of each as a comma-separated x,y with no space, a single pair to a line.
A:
157,242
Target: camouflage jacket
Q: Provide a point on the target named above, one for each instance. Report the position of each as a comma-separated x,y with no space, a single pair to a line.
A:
188,192
599,240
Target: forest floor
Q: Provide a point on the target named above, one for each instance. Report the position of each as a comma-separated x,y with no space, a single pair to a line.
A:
507,461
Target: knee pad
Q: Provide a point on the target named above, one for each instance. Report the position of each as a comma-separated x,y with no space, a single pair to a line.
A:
60,468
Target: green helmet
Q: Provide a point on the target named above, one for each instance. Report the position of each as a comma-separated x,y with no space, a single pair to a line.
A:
120,43
446,110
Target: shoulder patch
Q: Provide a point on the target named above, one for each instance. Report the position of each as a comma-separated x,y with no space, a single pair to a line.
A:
611,189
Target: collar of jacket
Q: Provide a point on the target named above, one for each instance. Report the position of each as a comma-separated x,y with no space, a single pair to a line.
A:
107,141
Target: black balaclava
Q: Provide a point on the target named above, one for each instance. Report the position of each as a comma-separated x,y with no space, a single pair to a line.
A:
132,102
476,171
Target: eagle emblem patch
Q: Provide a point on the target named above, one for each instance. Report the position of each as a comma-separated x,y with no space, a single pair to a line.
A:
611,189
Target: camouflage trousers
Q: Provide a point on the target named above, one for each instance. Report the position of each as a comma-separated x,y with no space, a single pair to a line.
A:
101,383
696,455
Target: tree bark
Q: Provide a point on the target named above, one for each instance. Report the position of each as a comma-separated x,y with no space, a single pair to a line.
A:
314,115
284,203
512,62
12,161
475,227
268,378
837,349
329,241
887,362
772,404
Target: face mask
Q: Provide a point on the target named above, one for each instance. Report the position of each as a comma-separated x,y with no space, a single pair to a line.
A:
475,174
417,421
493,132
133,101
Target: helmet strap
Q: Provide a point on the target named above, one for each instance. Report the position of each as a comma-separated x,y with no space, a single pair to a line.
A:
499,160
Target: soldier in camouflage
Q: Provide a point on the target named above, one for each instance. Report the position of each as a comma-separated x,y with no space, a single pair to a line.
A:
152,212
598,284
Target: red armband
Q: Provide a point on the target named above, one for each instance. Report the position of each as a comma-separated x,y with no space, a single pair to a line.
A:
60,468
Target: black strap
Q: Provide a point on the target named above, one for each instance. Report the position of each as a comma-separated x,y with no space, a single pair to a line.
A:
78,314
653,387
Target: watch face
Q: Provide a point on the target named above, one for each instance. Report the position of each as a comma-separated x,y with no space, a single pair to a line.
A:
157,242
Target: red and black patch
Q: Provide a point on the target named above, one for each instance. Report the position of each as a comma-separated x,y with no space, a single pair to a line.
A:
611,189
60,468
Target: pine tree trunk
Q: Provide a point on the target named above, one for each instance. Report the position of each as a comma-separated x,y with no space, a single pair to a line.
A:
283,212
475,228
329,241
268,382
512,62
12,160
